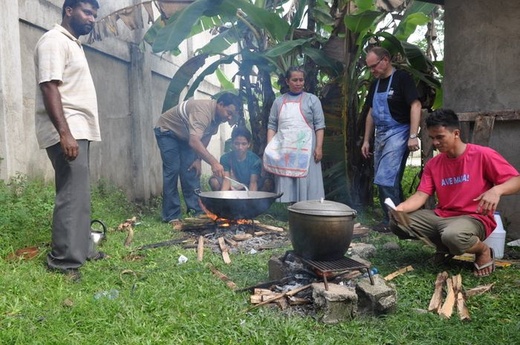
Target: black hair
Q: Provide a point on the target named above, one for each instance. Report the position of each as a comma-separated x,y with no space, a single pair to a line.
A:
241,131
228,98
74,3
443,118
294,69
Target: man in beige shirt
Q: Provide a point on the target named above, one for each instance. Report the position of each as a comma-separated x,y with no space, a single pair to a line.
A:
66,122
182,134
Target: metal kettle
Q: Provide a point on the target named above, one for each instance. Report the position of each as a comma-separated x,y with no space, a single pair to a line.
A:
99,233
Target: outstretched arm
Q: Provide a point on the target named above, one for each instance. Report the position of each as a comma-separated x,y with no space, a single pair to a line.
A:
488,200
413,203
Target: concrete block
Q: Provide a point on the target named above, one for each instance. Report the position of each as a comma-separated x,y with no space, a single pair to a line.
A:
277,269
337,304
376,299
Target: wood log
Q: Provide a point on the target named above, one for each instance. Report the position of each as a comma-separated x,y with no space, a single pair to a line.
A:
260,291
266,227
350,275
479,290
242,237
436,300
224,250
462,309
273,296
259,233
398,272
230,242
282,303
288,293
230,284
298,300
447,308
200,248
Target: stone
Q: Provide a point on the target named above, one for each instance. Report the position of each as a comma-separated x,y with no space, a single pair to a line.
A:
376,299
277,269
363,250
337,304
391,246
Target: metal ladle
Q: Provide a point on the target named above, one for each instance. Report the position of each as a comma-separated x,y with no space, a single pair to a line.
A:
239,183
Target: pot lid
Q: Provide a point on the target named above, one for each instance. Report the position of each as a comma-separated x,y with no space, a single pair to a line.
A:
322,208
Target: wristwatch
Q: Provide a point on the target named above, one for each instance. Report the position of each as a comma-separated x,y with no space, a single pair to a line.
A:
413,136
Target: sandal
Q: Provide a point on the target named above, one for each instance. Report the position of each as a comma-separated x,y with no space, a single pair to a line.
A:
491,264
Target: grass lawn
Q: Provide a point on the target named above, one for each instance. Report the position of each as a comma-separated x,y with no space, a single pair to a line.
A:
156,300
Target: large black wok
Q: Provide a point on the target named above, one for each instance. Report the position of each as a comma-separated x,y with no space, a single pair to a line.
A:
237,204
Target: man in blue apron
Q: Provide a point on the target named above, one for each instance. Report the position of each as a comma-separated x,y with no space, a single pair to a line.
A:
394,115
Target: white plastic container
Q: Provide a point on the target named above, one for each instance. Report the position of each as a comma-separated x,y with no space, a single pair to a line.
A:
497,239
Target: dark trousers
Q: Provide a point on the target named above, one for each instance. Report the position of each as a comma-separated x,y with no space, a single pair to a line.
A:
394,192
177,156
71,218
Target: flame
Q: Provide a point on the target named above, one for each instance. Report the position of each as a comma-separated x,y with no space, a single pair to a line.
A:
223,222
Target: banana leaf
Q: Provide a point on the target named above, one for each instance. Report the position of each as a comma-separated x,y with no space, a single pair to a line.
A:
181,79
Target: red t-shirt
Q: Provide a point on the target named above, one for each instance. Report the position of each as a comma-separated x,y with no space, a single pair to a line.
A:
457,181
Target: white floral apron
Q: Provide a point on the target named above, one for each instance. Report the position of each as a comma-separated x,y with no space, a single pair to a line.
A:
290,150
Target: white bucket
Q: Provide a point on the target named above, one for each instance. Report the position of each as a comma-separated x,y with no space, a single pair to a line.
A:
497,239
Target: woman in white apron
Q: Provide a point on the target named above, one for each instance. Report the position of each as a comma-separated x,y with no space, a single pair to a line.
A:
295,140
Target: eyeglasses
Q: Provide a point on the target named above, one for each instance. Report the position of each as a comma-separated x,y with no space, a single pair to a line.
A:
375,65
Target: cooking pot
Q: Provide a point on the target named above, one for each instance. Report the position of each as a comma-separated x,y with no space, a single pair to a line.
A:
237,204
321,230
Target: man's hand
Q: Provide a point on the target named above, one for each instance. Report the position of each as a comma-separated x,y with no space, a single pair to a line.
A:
365,150
413,144
197,166
70,147
217,169
488,201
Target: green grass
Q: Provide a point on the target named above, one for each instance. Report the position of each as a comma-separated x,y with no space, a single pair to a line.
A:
162,302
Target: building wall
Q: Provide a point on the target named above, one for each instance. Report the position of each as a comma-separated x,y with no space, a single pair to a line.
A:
482,74
130,84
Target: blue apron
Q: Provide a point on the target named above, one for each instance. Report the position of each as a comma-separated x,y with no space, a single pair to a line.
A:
391,139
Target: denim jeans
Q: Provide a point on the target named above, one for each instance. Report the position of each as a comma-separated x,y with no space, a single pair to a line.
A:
177,156
394,192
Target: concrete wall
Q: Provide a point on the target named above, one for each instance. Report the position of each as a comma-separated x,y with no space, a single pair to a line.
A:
131,85
482,73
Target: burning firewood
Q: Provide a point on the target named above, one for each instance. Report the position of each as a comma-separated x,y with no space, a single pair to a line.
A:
436,300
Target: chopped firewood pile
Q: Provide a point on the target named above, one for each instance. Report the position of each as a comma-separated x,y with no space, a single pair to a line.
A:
455,296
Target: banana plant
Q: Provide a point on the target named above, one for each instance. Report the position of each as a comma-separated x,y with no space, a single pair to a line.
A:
269,38
267,35
348,176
